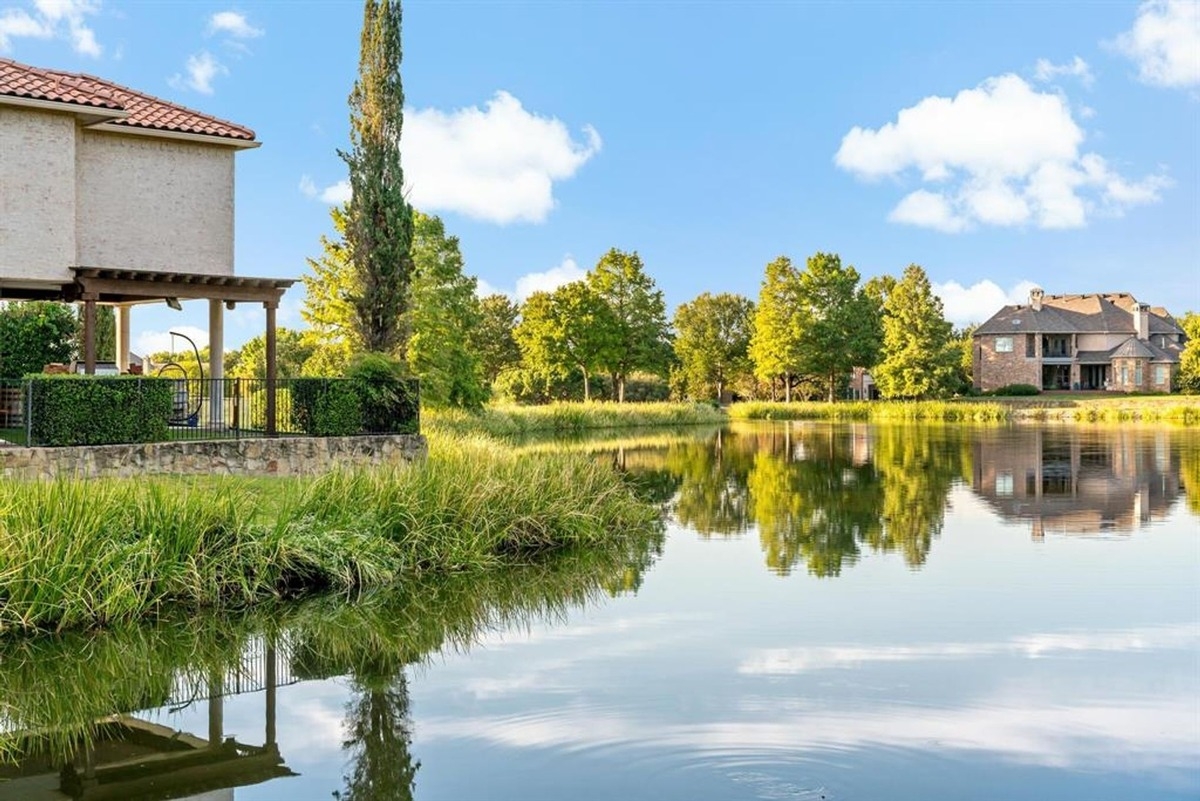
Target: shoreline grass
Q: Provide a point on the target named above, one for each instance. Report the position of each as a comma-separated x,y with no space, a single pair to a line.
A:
1174,409
80,553
509,421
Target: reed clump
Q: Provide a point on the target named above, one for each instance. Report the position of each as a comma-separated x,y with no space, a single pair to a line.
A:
77,553
510,421
948,411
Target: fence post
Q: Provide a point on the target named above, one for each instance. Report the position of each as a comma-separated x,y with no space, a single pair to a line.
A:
28,413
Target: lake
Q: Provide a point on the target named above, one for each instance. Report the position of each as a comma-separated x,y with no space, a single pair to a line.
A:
829,612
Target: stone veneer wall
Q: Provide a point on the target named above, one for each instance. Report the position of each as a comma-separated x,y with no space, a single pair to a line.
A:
286,456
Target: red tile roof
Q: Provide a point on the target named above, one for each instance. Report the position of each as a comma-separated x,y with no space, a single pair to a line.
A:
144,111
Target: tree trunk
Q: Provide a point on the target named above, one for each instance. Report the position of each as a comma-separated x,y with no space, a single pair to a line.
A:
621,388
832,398
787,387
587,393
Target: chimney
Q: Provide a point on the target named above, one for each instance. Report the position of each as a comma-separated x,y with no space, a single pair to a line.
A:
1141,321
1035,298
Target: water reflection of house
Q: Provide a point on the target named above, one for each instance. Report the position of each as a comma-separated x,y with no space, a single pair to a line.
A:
1077,482
133,759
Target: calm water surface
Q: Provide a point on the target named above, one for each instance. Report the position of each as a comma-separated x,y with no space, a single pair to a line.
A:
832,612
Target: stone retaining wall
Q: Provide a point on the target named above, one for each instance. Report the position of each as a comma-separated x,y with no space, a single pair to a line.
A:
286,456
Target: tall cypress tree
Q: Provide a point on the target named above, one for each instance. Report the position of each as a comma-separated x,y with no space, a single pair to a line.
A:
379,222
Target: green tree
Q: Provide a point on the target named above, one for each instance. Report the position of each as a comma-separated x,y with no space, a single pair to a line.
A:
919,360
444,313
637,320
1189,360
712,342
379,221
492,339
105,333
838,330
564,330
775,343
33,335
963,342
327,307
378,740
292,350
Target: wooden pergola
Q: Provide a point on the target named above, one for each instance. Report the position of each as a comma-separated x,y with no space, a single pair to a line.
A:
126,288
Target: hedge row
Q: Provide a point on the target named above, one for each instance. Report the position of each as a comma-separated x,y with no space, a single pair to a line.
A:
84,410
322,407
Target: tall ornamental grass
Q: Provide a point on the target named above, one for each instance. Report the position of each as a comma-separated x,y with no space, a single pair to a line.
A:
79,553
949,411
567,418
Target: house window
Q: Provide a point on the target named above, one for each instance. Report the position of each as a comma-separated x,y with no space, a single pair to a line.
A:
1030,346
1004,484
1160,374
1004,344
1137,373
1124,374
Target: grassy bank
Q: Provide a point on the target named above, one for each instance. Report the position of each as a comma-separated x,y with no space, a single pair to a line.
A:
1184,410
567,418
950,411
80,553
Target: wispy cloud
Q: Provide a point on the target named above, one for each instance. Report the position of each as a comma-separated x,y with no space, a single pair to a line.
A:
66,19
199,72
1047,71
233,23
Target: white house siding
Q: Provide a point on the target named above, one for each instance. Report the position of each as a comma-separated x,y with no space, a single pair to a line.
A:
154,204
37,195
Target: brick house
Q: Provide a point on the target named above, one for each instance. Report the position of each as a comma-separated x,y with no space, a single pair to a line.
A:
1079,342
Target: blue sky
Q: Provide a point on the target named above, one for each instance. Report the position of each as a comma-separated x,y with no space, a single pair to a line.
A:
1053,143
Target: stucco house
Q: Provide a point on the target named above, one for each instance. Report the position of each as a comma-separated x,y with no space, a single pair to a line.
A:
1079,342
112,196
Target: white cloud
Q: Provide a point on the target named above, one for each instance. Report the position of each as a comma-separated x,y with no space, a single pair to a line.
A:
307,187
233,24
1000,154
334,194
549,280
1046,71
545,281
201,68
497,164
148,342
1165,43
976,303
53,18
929,210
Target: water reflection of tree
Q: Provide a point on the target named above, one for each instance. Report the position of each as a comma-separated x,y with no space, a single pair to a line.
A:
713,490
378,741
816,508
818,493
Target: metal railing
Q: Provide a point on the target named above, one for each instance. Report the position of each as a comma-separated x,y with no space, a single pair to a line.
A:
228,408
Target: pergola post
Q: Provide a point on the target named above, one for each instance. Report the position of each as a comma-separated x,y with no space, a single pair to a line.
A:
89,333
216,362
271,306
123,339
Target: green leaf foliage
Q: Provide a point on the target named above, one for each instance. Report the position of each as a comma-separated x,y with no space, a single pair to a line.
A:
636,337
1189,360
445,312
568,329
712,342
292,350
919,359
775,343
390,399
379,220
85,410
33,335
492,339
838,329
322,407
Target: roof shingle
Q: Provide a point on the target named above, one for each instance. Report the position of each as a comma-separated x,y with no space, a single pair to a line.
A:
144,111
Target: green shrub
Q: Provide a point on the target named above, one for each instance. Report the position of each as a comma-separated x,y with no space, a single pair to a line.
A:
389,398
85,410
254,414
1015,390
323,407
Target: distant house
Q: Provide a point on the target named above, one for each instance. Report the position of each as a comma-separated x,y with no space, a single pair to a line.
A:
1079,342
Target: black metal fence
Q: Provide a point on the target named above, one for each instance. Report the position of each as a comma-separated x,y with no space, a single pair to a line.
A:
54,410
